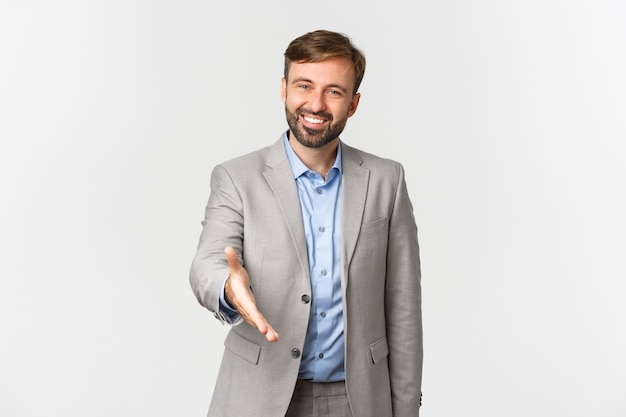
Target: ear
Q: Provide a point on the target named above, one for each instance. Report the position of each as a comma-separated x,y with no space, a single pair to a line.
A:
283,89
354,104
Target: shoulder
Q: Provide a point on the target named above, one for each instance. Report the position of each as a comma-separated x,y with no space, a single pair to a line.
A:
248,160
252,163
376,164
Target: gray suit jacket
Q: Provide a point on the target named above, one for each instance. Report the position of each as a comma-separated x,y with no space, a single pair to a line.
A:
254,207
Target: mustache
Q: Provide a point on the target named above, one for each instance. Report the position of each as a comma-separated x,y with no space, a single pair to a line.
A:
321,114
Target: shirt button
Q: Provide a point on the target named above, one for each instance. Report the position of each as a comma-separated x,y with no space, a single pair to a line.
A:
321,356
311,174
322,229
319,191
295,353
324,272
323,314
305,299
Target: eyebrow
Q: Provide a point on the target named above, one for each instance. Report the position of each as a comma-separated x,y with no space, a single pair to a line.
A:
306,80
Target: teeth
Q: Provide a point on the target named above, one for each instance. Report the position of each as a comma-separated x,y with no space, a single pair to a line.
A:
312,120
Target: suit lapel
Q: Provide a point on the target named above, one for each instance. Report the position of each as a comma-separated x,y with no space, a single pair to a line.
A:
354,188
279,176
355,180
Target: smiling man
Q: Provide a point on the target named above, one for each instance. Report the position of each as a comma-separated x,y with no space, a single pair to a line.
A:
319,99
309,251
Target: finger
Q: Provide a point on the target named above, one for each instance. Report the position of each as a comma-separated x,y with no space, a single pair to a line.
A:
264,327
251,314
271,335
231,257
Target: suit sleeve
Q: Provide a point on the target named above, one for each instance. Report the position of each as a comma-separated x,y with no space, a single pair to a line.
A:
403,306
222,226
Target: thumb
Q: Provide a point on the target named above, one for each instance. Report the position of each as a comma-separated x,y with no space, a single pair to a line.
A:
231,257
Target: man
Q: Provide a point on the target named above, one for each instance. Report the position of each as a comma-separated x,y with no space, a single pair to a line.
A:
309,249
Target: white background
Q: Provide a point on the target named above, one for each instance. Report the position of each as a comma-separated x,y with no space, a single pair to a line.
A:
507,115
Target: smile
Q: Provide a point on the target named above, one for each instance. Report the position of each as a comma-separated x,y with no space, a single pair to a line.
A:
313,120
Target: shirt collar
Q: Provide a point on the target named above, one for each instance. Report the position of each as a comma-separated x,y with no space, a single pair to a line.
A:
297,166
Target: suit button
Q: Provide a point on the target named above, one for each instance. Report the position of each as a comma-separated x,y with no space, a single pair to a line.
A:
305,299
295,353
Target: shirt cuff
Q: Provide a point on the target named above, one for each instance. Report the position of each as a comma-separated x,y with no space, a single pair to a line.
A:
229,314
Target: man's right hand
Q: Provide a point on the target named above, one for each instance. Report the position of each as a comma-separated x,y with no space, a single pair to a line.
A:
239,295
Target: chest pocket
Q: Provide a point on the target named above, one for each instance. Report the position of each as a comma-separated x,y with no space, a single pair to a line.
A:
379,350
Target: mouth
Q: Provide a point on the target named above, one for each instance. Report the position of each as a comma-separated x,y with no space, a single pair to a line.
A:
313,122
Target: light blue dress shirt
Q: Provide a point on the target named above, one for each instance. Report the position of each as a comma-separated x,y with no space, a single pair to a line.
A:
323,351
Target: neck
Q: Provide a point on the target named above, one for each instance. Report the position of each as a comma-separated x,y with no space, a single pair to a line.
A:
319,159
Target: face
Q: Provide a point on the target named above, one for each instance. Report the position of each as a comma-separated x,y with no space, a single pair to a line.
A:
318,100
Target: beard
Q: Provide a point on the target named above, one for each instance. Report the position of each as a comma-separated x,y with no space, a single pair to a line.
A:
314,138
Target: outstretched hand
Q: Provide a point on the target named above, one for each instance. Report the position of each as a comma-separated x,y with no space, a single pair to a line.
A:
239,295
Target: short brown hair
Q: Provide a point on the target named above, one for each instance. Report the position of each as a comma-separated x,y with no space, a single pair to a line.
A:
319,45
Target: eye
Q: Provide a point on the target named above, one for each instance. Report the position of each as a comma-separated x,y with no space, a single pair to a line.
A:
335,92
303,87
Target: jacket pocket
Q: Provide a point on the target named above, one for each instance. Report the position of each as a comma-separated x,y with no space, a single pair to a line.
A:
379,350
374,226
243,348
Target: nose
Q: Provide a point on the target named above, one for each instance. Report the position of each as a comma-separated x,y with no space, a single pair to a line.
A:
317,101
